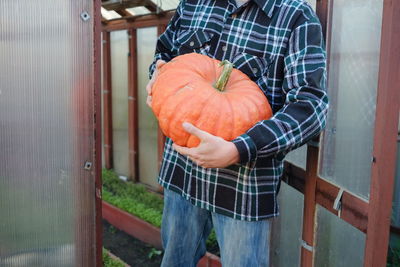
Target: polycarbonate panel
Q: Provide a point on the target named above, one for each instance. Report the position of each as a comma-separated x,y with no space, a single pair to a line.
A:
148,125
103,158
47,198
109,14
353,77
139,10
313,3
338,244
119,81
298,157
287,228
166,4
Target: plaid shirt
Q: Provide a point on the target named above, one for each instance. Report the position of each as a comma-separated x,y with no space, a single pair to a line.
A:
279,45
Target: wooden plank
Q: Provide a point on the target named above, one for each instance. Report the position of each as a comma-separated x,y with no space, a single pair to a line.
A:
124,13
97,130
354,209
122,4
152,7
385,138
309,206
133,107
107,102
139,21
294,176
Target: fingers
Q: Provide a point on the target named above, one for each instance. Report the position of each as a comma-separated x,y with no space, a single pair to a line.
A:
191,153
149,85
190,128
183,150
159,64
149,100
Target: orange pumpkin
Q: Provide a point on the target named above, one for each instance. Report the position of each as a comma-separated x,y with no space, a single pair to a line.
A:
220,100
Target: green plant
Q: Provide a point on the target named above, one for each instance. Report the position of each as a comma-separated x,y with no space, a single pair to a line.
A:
154,252
132,198
393,258
110,262
136,200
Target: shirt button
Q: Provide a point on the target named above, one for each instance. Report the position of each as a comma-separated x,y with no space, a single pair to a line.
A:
255,70
224,48
191,43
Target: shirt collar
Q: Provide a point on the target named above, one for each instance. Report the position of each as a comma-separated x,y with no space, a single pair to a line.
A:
268,6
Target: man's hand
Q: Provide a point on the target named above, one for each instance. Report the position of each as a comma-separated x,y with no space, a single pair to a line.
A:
213,151
159,64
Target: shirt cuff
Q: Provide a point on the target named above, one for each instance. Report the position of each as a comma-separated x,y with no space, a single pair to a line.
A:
246,147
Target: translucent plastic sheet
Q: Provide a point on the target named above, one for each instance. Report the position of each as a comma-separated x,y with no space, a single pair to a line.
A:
346,152
287,228
148,125
46,133
338,244
119,102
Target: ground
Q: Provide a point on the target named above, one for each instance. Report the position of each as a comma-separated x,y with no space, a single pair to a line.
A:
131,250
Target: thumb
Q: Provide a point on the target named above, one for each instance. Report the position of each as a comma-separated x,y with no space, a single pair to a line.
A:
190,128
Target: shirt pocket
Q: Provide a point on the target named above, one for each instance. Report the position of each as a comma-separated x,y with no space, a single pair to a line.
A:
251,65
194,41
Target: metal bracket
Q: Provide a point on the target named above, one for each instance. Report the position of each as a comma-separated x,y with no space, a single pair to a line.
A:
306,246
85,16
88,165
337,204
98,193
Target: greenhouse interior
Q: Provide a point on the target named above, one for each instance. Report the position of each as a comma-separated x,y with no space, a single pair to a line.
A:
81,150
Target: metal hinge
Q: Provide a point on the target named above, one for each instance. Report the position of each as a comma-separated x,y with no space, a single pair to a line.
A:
98,193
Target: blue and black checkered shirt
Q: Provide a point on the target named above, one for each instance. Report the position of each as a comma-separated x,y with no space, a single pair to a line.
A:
279,45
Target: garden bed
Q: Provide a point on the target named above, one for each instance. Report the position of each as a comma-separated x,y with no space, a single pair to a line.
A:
138,212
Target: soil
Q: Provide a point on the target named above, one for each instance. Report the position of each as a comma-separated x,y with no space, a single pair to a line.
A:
131,250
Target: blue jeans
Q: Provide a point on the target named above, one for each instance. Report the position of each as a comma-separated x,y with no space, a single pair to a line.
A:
185,229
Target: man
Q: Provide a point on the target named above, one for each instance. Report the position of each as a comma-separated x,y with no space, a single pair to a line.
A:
233,186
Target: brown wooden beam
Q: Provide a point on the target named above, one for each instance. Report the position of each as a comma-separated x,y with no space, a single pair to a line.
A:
133,107
385,138
307,249
148,20
294,176
122,4
152,7
97,129
354,210
107,102
124,13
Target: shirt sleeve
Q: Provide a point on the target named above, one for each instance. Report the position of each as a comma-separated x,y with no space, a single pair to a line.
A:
166,49
304,114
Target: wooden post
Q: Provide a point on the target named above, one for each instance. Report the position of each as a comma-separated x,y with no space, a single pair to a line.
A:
385,138
97,128
107,101
307,248
133,107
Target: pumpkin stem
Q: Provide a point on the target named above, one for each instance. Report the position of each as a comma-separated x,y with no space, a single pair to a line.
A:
224,77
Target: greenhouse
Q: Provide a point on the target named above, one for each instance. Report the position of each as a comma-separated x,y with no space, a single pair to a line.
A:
81,149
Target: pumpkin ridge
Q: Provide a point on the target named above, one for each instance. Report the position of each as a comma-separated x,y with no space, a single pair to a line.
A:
260,108
233,118
203,122
177,105
204,103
